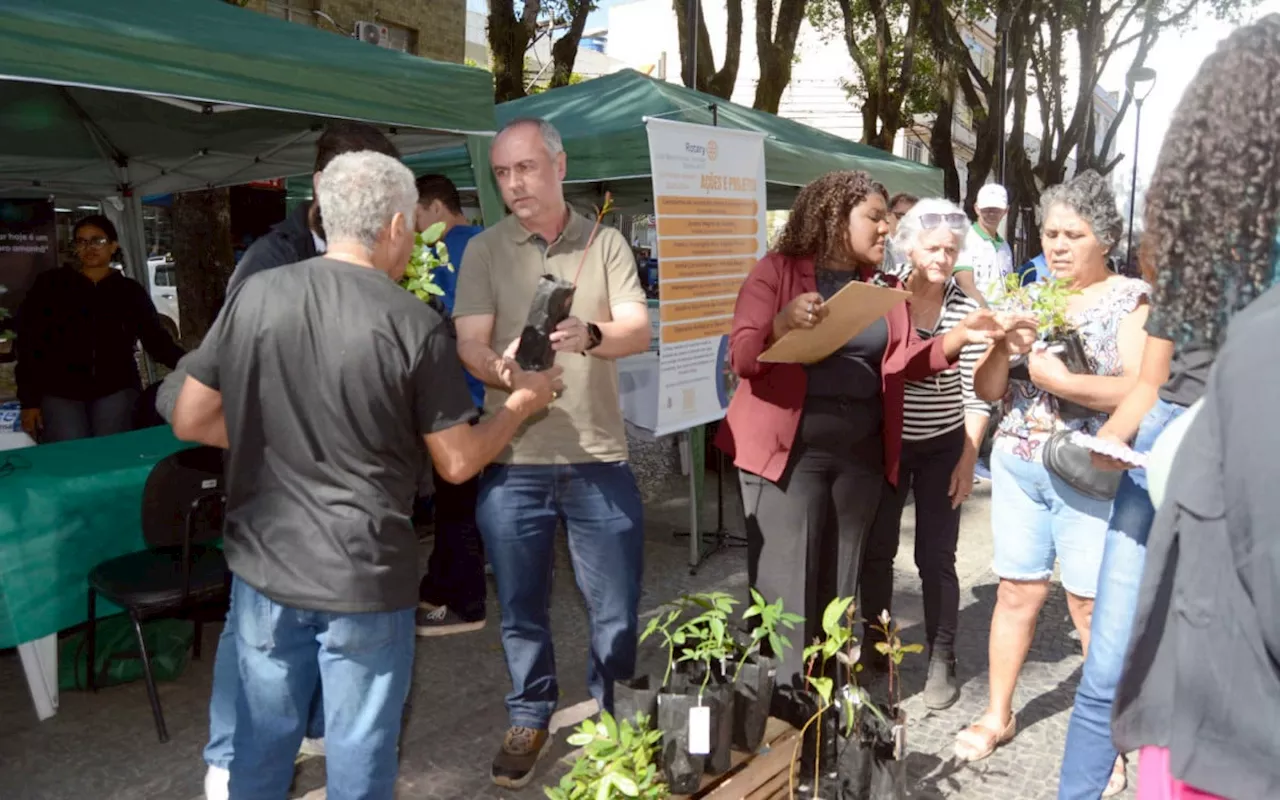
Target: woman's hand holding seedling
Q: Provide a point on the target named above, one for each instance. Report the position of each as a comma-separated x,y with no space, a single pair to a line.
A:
1047,370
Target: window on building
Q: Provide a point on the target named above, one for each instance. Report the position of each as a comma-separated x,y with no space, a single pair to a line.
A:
916,151
293,10
402,39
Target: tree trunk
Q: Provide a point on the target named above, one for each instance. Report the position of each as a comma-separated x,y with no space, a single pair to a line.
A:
941,145
776,52
509,38
717,82
565,51
203,257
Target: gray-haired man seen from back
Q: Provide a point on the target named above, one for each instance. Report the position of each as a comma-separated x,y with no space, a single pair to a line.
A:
324,379
299,237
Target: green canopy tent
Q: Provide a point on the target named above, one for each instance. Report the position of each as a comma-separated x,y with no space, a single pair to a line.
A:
602,124
145,97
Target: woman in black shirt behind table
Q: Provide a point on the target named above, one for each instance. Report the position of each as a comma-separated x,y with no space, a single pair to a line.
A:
942,426
77,376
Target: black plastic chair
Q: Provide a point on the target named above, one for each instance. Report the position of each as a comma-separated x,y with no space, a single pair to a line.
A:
180,574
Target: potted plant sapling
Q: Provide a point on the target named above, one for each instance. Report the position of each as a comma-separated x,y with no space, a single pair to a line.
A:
709,644
639,695
619,760
552,299
872,746
815,751
755,675
681,768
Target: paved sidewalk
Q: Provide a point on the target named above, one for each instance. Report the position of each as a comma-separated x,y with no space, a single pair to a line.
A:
103,746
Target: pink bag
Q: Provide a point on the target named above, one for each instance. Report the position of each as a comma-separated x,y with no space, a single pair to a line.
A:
1156,783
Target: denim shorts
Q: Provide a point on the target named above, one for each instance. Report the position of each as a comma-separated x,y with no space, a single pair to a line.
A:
1037,518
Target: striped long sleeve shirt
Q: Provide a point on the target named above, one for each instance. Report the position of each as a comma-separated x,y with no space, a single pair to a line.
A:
938,404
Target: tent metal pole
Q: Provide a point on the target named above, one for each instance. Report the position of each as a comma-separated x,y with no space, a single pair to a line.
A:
135,251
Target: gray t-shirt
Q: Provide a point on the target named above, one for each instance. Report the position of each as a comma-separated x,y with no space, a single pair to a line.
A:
330,375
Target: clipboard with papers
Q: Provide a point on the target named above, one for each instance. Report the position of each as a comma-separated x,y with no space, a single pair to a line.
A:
849,312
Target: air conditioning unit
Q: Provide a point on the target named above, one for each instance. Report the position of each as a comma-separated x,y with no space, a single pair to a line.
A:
373,33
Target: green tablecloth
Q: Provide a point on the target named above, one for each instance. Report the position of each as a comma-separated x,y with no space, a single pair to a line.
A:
64,508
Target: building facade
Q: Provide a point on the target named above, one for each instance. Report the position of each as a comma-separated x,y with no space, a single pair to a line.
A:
435,29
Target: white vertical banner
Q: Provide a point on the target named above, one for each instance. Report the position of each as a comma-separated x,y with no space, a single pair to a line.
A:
709,201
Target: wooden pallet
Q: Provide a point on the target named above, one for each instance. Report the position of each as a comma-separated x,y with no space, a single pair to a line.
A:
762,775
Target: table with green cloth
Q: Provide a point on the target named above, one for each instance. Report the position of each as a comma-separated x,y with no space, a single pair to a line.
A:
64,509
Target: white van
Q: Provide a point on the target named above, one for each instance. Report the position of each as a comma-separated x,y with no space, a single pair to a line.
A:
164,291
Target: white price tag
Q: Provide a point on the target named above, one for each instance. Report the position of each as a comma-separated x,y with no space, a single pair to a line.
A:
700,731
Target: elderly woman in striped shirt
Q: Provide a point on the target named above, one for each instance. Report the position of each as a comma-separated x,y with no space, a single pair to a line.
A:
943,425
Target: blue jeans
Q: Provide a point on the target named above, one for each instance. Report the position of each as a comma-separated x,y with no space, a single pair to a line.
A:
1036,518
364,662
600,506
1089,756
226,689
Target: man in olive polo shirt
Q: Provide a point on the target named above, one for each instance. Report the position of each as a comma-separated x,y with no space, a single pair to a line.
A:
986,259
567,464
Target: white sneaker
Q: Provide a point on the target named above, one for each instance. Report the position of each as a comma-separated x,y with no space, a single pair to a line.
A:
217,784
312,747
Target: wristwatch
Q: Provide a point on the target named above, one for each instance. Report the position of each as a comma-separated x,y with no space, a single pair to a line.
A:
594,336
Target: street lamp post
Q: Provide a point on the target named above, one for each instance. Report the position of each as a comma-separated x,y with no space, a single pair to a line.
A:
1140,81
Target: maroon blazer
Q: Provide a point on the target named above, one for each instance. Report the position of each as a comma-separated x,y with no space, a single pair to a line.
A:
764,414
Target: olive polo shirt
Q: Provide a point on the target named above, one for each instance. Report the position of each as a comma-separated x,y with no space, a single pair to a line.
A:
499,275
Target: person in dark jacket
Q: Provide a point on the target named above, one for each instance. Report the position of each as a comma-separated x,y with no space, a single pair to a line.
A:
1208,248
298,238
77,374
1200,689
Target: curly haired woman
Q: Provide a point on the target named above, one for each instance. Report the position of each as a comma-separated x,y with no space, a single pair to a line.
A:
815,443
1209,248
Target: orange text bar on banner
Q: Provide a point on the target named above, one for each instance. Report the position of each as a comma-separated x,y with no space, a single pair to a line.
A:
709,199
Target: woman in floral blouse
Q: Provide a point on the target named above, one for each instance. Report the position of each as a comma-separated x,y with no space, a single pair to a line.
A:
1036,518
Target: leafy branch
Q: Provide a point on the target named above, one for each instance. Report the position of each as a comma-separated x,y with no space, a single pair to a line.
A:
1048,300
772,620
618,761
429,254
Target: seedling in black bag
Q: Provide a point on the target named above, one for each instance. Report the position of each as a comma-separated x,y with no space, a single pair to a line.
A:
551,303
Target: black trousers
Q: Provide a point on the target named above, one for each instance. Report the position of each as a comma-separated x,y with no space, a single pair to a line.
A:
455,569
925,470
806,533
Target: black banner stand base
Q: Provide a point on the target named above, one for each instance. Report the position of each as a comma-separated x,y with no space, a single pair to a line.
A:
709,543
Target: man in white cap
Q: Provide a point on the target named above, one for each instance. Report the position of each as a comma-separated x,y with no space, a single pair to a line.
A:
986,258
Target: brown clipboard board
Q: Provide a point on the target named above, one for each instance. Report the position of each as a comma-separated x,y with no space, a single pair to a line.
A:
849,312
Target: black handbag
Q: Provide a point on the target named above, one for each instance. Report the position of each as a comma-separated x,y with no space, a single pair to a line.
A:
1074,466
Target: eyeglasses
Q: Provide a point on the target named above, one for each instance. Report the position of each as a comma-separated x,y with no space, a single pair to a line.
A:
931,221
98,241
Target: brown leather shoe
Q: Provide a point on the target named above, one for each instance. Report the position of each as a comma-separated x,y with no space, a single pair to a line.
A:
513,767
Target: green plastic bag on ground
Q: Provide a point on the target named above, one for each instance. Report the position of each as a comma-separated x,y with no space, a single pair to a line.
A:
116,652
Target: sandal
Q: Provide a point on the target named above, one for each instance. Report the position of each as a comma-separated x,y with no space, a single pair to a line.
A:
978,741
1119,779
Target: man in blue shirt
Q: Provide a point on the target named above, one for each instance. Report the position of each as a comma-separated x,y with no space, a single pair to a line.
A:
1034,270
452,593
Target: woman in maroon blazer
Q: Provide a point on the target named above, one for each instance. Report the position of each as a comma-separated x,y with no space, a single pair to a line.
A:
815,443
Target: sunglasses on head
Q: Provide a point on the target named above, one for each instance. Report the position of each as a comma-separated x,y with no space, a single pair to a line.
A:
953,220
